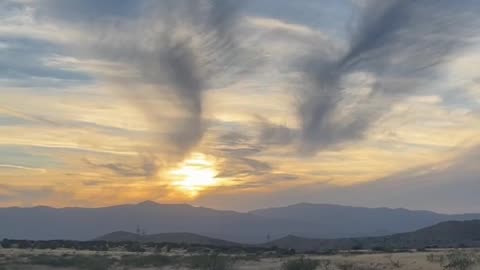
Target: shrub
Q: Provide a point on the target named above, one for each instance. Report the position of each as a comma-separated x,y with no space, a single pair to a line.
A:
147,261
248,257
433,258
134,247
6,243
328,252
344,265
82,262
357,247
394,263
382,249
210,262
460,260
300,264
325,264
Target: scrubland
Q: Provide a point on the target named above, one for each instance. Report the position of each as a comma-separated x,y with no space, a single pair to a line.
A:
66,259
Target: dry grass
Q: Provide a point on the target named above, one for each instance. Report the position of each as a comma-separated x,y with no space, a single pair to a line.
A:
12,259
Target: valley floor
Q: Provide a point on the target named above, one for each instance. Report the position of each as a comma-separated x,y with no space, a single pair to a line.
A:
62,259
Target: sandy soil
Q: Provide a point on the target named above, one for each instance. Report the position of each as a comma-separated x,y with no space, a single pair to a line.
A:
398,261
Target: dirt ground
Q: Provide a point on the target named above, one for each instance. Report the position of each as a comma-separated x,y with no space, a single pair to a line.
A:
14,259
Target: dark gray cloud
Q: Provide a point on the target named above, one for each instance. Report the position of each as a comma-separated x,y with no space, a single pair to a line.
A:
241,167
238,154
398,43
195,41
234,138
274,134
146,167
177,48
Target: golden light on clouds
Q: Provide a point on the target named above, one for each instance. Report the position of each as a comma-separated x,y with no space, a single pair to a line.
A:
194,175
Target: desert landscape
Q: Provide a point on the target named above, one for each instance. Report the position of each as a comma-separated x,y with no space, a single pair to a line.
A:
63,259
449,245
239,135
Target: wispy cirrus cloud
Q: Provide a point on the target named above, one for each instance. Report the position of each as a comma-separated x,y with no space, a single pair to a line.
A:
398,44
112,95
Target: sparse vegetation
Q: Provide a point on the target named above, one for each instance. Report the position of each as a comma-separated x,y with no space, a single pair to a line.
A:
325,264
344,265
436,258
5,243
460,260
395,263
210,262
301,263
147,261
211,259
82,262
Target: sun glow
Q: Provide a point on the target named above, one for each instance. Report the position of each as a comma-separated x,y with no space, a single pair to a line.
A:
194,174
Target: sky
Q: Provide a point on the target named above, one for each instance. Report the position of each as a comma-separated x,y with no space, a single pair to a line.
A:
240,104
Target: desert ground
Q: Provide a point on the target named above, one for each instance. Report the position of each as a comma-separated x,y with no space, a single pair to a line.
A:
64,259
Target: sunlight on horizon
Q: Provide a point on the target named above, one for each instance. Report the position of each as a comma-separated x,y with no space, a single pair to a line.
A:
194,175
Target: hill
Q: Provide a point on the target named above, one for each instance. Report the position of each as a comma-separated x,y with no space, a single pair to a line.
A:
180,238
349,221
46,223
443,235
304,220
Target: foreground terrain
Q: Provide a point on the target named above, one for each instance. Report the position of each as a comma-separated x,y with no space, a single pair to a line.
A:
64,259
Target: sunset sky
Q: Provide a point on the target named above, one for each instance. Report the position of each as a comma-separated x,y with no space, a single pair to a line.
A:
240,105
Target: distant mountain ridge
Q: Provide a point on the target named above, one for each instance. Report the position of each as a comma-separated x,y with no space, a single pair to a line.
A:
366,221
181,238
442,235
303,220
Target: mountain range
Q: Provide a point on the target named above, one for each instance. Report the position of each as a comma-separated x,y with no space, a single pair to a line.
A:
185,238
443,235
302,220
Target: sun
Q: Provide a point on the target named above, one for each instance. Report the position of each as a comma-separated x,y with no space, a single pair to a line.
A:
194,174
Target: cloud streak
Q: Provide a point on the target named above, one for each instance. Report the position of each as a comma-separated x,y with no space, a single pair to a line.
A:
176,49
397,43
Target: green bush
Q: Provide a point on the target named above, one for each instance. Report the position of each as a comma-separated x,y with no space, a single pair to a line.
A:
300,264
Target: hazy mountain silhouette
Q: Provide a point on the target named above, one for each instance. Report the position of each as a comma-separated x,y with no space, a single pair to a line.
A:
183,238
359,221
444,235
305,220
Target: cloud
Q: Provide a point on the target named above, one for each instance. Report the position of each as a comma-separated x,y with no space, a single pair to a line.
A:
194,42
448,186
23,65
274,134
177,51
115,92
18,167
455,181
146,168
397,44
